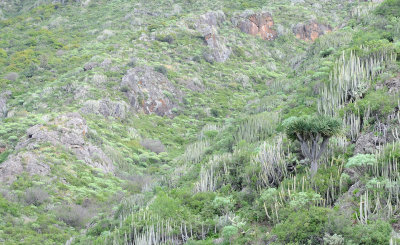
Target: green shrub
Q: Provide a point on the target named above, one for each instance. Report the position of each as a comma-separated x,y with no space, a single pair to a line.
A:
371,234
7,207
304,199
168,207
228,232
361,162
389,8
303,226
375,232
327,52
170,38
377,102
22,59
161,69
223,204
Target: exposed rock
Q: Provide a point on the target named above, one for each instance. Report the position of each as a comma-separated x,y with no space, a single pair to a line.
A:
218,51
212,18
150,91
90,65
368,143
77,90
393,84
106,108
311,30
68,131
106,63
22,162
256,24
207,25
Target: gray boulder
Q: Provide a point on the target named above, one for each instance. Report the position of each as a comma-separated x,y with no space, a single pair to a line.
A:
368,143
217,50
150,91
22,162
207,25
212,18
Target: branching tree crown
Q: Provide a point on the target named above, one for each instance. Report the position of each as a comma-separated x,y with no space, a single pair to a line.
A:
313,133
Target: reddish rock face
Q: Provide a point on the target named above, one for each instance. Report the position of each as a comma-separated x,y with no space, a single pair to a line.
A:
311,31
260,24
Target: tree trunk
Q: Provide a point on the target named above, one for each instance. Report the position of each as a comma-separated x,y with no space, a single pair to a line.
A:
314,167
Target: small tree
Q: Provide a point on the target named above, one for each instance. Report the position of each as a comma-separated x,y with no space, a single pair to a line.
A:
313,133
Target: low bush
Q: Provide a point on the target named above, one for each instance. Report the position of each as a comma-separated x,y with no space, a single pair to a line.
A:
36,196
73,215
303,227
153,145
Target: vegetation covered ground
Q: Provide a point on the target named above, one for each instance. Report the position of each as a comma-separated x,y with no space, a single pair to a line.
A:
172,122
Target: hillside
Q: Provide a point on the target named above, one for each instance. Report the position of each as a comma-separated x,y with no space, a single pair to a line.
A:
171,122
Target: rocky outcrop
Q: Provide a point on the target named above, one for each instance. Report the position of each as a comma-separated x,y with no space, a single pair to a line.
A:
150,91
207,25
218,51
22,162
393,84
367,143
212,18
105,107
67,131
311,31
256,24
106,64
383,133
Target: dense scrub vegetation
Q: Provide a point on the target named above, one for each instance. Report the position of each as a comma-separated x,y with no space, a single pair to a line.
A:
230,163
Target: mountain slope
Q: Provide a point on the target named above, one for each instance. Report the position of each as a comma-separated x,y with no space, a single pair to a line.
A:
137,122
